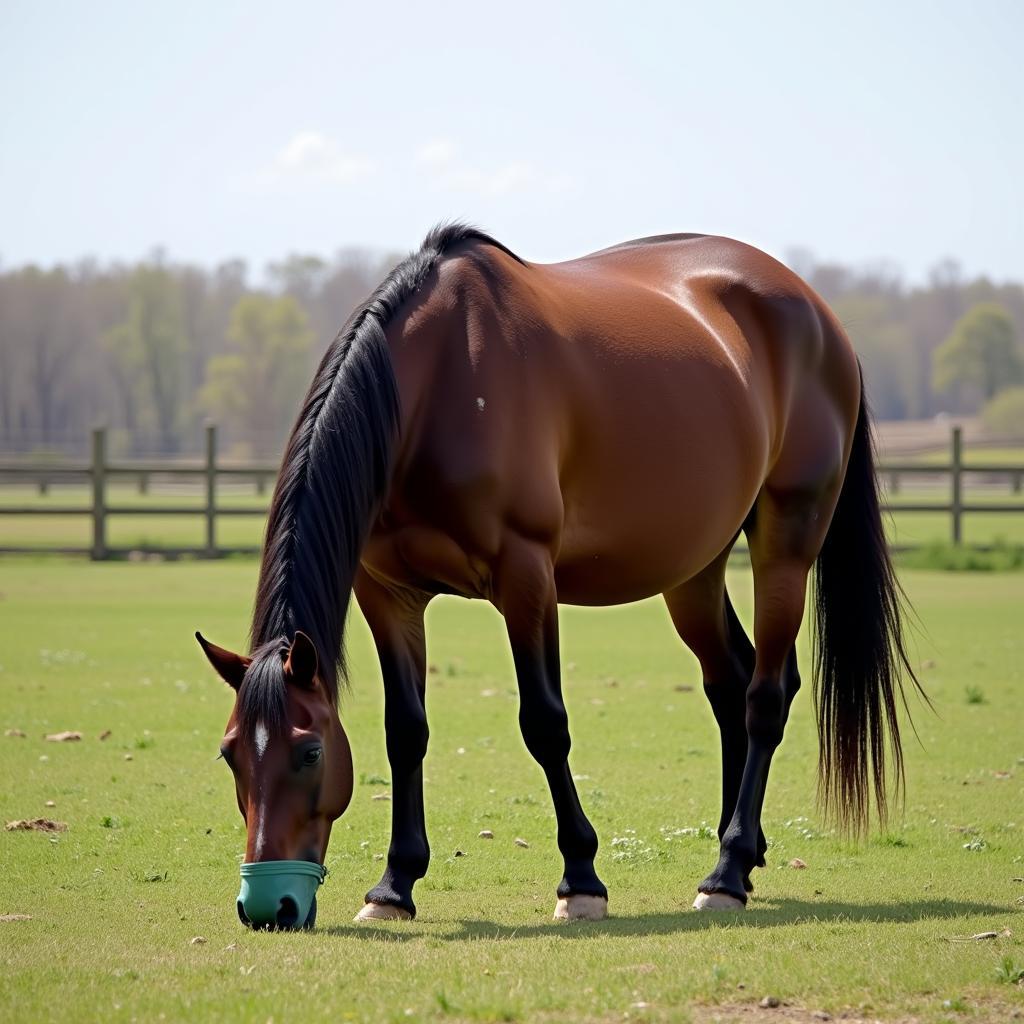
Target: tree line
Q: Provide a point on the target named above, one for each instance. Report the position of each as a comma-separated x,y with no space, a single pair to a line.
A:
154,349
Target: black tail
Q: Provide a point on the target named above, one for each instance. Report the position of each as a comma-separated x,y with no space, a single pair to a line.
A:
860,652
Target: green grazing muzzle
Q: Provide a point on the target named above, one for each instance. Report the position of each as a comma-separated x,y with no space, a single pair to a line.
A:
279,893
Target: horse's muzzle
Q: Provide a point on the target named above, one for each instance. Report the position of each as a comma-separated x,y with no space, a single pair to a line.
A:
279,894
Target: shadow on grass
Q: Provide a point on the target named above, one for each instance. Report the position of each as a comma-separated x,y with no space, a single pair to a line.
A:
778,914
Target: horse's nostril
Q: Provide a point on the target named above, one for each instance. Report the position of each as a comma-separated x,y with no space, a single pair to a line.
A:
288,914
241,914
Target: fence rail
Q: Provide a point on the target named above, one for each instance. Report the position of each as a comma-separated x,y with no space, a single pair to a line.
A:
99,470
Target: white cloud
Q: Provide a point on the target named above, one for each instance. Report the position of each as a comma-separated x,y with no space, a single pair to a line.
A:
435,153
440,160
313,156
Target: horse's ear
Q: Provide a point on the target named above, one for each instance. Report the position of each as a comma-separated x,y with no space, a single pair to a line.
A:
228,665
302,662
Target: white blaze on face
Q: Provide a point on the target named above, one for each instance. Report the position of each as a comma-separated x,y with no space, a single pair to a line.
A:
260,815
261,737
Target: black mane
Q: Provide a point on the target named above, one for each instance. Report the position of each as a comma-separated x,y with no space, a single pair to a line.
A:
333,476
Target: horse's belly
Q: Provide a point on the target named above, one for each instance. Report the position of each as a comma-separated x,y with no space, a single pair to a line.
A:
613,568
645,529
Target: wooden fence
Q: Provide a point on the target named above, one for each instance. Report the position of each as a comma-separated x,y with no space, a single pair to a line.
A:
100,470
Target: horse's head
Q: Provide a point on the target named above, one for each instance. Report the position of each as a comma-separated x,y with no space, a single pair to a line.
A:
292,766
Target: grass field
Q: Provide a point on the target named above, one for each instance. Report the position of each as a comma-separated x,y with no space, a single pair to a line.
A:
149,862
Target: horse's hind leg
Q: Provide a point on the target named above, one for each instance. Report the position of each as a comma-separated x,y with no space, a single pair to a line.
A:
525,594
395,619
706,622
787,536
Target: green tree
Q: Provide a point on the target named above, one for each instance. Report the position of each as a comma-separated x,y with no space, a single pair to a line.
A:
1005,413
256,387
980,352
150,352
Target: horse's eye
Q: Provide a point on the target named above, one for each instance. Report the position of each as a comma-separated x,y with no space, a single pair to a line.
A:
312,755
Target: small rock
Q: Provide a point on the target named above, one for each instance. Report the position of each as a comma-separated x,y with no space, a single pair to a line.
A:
459,853
44,757
198,940
639,1005
105,735
485,833
796,862
769,1002
521,842
14,732
68,736
128,757
51,803
378,856
461,750
821,1015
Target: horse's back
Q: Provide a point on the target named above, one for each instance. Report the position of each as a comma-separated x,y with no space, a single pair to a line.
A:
624,408
708,366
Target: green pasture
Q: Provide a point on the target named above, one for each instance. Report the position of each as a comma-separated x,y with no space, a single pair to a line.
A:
132,908
156,531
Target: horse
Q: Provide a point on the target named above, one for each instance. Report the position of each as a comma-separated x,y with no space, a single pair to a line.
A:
590,432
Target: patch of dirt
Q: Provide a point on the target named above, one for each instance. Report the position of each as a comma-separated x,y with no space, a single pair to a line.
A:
753,1013
68,736
36,825
15,917
18,733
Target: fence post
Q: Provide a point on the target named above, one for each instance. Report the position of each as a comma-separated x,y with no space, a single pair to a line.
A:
99,497
956,473
211,490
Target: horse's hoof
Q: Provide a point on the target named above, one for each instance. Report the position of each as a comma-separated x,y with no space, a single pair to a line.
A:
581,908
382,912
717,901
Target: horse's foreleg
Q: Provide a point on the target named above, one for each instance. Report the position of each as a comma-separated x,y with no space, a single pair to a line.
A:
525,594
396,621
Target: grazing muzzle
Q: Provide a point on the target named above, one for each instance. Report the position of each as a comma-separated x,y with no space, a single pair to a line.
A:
279,894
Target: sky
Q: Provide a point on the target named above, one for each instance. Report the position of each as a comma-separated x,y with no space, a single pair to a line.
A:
869,132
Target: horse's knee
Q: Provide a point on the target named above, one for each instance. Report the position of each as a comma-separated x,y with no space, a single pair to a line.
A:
407,734
545,730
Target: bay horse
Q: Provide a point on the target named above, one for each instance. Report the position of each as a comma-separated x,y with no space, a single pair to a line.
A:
591,432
